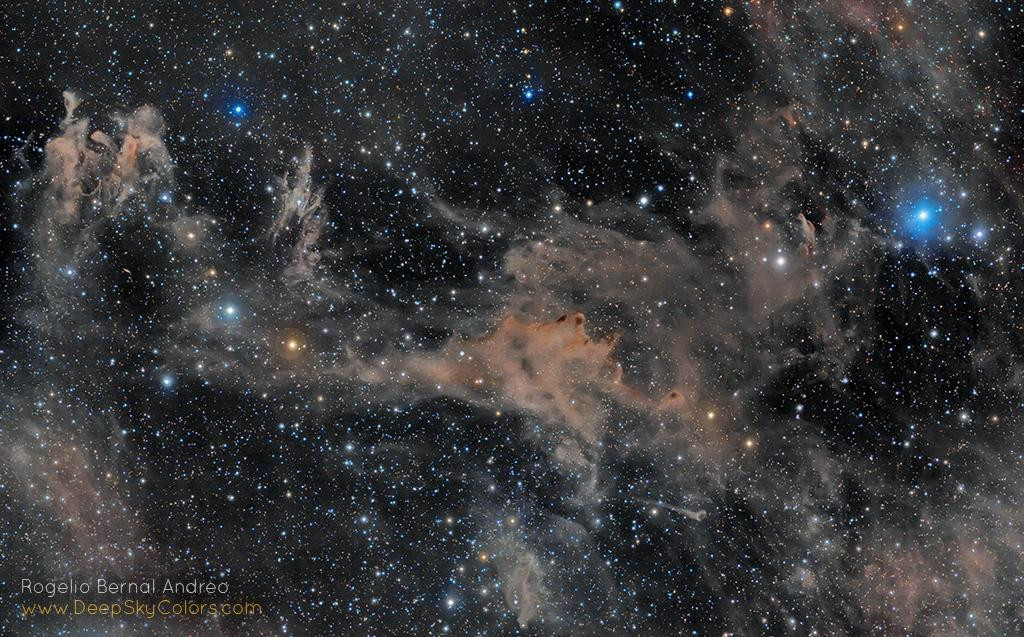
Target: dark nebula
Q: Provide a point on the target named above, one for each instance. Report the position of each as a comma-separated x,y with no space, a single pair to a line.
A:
542,318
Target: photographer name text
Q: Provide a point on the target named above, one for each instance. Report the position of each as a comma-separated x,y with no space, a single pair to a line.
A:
102,586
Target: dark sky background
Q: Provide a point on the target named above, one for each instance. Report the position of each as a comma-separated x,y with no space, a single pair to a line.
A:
547,318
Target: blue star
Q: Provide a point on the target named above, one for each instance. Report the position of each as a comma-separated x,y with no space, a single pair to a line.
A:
238,109
922,218
167,381
228,312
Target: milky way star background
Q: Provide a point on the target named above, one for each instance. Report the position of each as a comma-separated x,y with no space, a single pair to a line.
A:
540,318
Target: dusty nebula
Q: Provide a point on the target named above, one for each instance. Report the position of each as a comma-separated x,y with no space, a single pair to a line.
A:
541,318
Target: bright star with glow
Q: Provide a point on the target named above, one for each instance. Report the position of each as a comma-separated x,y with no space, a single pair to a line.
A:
922,219
228,312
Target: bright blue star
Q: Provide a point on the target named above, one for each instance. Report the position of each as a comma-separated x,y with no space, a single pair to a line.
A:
922,219
529,94
167,381
228,312
238,109
690,94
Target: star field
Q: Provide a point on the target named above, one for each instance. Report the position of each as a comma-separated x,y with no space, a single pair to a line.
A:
540,318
